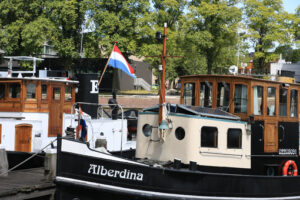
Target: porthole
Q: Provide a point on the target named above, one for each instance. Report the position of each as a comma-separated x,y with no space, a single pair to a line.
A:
147,130
179,133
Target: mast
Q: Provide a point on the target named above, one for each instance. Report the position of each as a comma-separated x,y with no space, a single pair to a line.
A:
162,98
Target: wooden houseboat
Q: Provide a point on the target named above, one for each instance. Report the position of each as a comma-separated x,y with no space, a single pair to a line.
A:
32,109
270,106
233,137
35,109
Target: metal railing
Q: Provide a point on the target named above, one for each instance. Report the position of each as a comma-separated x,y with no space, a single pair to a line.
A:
100,112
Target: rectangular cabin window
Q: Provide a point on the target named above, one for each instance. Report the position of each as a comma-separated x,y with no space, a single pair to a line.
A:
189,94
293,103
14,90
209,137
271,101
258,102
56,94
234,138
68,93
283,102
223,96
240,98
2,91
31,92
206,94
44,92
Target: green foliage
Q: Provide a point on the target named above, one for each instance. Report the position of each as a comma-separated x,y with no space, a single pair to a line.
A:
23,27
297,26
169,11
203,33
288,53
211,27
116,20
26,25
67,18
267,25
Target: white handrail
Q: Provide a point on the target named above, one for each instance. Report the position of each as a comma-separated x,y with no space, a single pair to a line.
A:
101,105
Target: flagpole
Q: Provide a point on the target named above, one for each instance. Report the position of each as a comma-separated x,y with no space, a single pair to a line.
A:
99,82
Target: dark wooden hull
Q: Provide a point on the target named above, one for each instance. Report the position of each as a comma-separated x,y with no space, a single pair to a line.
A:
98,173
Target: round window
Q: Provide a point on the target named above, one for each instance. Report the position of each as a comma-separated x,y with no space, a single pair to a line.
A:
147,130
179,133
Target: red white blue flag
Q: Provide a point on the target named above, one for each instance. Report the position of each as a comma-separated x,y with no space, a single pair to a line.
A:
117,60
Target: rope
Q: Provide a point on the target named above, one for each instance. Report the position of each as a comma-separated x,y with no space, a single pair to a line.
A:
21,163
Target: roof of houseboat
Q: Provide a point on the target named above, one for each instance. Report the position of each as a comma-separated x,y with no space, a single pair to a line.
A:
52,79
6,76
251,77
195,110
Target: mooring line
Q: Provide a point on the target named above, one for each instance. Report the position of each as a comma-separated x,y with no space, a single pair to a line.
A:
21,163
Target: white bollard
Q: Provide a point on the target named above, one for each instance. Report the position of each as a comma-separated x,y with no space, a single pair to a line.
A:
50,164
3,162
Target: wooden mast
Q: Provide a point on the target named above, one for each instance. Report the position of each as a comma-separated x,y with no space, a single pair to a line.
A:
162,98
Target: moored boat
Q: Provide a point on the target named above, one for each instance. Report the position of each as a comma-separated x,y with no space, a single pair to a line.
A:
36,107
236,137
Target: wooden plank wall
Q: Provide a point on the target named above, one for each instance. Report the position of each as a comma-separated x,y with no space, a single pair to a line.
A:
250,82
37,104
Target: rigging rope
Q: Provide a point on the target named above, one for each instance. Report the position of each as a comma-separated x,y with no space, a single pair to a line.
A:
27,159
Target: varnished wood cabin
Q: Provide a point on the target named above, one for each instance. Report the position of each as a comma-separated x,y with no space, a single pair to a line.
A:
38,95
271,106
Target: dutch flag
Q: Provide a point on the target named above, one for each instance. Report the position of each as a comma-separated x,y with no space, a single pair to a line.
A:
117,60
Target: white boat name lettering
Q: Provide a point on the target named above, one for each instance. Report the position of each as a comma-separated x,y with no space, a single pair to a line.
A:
124,174
287,151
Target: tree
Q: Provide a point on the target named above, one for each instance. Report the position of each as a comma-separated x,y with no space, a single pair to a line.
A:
211,27
67,18
288,53
26,25
23,27
169,12
267,25
297,26
116,20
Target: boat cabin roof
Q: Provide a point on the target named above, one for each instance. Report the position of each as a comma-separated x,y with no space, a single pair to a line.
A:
195,110
44,79
243,95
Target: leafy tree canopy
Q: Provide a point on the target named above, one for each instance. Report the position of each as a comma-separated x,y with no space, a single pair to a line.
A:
267,25
203,32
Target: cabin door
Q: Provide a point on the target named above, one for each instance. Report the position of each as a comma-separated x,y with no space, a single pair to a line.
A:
56,111
23,134
271,137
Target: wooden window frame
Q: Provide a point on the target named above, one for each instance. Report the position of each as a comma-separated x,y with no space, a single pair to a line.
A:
263,99
7,91
70,100
233,98
36,91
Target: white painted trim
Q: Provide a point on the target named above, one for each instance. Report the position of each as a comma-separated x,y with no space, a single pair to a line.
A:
156,194
82,149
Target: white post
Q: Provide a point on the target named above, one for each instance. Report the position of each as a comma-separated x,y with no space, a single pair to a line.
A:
3,162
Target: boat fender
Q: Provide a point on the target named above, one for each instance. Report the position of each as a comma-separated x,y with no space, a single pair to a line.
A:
286,167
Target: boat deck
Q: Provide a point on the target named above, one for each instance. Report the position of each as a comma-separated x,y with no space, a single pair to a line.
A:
26,184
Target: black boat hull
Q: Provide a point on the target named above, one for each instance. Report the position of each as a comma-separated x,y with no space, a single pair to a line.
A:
111,174
16,157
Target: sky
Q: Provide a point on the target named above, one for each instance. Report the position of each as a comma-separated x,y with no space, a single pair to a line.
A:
290,5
